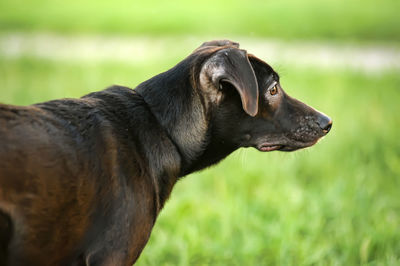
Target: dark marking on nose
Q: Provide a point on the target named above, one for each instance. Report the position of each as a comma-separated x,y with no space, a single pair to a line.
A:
325,123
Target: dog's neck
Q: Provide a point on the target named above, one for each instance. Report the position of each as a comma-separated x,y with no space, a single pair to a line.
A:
180,110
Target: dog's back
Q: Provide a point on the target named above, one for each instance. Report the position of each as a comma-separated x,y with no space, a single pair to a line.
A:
60,165
34,177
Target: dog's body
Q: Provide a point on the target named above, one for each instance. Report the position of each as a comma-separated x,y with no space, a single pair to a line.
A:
83,180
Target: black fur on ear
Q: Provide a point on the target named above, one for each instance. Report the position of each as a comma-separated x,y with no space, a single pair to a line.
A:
232,65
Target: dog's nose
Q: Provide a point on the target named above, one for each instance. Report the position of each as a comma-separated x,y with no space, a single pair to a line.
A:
325,123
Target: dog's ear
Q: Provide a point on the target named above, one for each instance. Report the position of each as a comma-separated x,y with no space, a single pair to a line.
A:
216,43
232,65
220,43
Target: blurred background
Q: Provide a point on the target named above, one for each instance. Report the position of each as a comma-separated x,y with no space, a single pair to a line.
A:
337,203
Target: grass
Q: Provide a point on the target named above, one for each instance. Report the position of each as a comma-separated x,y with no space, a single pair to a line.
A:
334,204
353,20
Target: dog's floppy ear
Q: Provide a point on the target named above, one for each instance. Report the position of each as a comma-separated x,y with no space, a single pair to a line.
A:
220,43
217,43
232,65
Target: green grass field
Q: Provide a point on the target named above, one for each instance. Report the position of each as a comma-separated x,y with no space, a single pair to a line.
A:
353,20
336,203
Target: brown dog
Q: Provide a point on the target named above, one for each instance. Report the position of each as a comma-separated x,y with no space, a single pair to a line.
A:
83,180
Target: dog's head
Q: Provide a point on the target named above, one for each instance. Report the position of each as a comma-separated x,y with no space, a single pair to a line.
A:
249,106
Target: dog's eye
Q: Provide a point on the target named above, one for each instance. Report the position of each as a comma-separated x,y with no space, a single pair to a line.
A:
273,90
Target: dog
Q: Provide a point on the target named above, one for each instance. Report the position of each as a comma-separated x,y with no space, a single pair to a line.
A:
83,180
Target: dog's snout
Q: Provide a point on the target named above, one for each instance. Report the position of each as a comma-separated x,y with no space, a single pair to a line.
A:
325,123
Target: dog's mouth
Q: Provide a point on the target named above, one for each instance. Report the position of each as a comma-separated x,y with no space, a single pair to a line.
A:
266,148
281,147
